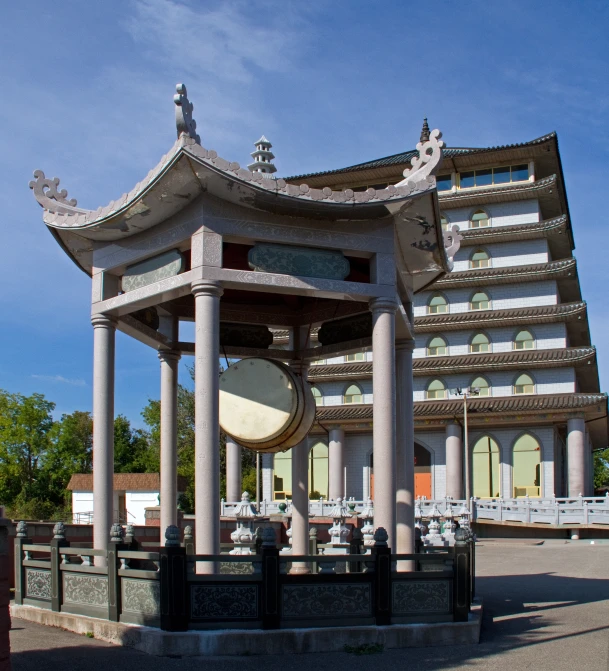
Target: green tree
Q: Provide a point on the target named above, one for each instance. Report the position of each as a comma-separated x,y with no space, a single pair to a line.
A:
25,439
133,452
601,468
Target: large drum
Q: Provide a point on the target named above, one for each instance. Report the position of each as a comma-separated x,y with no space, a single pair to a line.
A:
264,405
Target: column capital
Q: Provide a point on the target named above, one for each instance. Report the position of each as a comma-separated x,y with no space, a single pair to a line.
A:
404,345
383,304
206,288
167,355
103,321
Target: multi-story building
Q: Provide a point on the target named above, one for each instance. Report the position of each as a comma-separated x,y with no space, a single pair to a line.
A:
508,325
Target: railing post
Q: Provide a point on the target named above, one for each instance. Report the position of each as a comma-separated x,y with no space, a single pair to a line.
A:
313,548
355,548
586,512
461,577
172,574
116,544
270,580
189,541
21,539
58,541
382,577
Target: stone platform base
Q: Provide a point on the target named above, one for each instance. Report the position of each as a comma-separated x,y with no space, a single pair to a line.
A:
258,642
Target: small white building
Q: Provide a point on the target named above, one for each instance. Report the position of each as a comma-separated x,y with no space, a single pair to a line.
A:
133,493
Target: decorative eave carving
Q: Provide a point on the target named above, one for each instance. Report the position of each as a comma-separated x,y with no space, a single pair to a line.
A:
185,124
428,161
60,213
452,241
539,229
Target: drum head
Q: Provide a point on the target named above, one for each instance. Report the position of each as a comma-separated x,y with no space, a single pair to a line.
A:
258,400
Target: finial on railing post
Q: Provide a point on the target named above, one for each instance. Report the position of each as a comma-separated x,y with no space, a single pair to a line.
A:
59,531
117,533
172,536
21,529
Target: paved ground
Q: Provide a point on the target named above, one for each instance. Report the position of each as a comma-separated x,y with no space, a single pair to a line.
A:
546,607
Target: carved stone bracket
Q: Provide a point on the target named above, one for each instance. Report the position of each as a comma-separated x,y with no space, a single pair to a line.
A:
49,196
452,241
185,124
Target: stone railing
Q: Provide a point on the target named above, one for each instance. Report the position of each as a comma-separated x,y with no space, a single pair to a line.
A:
176,589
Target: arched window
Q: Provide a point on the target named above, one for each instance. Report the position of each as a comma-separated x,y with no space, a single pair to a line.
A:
437,347
480,259
524,384
480,301
282,475
479,219
526,466
437,304
481,384
357,356
444,222
317,395
436,389
480,343
524,340
318,471
485,468
353,394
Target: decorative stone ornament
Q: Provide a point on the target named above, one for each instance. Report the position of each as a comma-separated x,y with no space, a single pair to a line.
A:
268,537
59,531
381,537
244,535
188,533
367,515
185,124
116,533
21,529
172,536
452,242
339,531
427,162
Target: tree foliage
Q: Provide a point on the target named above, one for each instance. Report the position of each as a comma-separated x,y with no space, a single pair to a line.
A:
601,469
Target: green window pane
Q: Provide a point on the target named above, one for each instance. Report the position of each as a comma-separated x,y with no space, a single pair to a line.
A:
485,468
479,219
353,394
437,347
480,259
527,467
480,343
524,385
318,471
437,304
524,340
480,301
481,384
436,389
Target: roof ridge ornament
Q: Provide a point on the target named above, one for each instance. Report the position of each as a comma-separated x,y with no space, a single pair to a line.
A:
185,124
427,162
48,195
425,131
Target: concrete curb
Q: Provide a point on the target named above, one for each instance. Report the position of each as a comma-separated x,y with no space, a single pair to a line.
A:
256,641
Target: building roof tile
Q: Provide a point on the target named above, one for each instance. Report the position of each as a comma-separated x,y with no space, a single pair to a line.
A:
128,482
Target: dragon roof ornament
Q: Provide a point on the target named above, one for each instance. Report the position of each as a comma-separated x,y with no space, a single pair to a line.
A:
184,108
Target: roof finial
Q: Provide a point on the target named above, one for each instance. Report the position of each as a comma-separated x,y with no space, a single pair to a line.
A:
185,124
425,131
263,157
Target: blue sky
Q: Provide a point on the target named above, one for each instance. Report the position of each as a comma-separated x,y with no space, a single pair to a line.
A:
87,96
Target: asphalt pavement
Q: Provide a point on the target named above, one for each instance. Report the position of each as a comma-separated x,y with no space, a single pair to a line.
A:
546,607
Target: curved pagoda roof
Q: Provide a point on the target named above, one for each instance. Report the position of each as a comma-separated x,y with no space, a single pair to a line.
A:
189,169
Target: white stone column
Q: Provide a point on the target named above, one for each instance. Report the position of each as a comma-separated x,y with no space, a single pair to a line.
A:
384,417
404,452
169,438
454,461
207,429
336,463
300,505
576,455
233,471
104,335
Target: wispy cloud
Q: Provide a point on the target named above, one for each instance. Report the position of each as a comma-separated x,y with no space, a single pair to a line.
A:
75,382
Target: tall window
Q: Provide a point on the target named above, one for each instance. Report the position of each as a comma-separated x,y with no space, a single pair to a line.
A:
444,223
437,304
318,471
480,343
481,384
282,475
353,394
317,395
527,466
490,176
358,356
479,220
485,467
437,347
436,389
524,340
480,259
524,384
480,301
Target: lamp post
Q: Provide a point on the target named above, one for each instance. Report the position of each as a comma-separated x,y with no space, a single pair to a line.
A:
466,392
